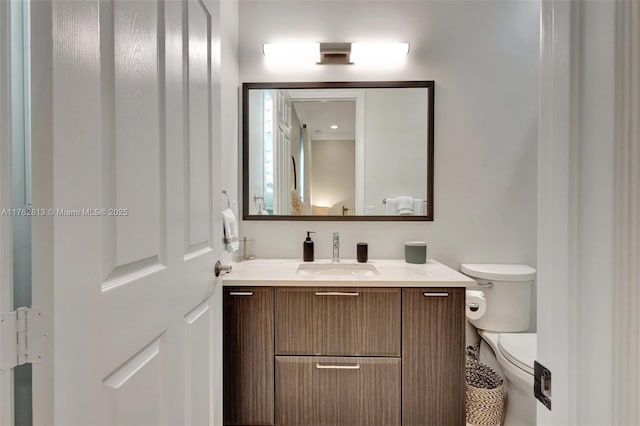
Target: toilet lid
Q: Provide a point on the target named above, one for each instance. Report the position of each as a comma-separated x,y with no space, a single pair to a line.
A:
519,349
499,272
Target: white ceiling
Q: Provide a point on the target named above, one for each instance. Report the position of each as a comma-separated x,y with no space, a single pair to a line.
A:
320,115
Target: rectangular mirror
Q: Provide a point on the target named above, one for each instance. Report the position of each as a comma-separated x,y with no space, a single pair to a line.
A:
338,151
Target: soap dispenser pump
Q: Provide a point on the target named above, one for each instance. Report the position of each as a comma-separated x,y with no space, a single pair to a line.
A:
307,252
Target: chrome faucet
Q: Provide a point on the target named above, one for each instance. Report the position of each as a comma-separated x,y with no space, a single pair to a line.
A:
336,247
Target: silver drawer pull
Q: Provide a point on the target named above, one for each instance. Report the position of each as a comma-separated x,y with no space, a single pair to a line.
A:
337,367
433,294
240,293
336,293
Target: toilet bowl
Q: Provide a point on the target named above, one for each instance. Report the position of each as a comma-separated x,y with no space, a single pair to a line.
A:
503,345
514,353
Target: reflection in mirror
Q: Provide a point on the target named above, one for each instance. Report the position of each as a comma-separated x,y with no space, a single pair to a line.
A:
343,151
328,138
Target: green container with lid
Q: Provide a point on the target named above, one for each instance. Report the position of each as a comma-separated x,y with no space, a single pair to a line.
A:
415,251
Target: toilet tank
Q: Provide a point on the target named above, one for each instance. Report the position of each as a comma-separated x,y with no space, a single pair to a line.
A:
507,289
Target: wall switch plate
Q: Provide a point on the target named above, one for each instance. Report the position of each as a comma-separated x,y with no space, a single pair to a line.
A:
542,384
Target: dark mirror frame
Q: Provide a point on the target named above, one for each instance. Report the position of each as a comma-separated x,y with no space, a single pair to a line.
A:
429,84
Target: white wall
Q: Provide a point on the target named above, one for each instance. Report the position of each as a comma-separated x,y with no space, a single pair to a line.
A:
333,177
483,57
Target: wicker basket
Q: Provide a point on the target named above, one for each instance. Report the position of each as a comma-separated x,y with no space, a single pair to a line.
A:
485,394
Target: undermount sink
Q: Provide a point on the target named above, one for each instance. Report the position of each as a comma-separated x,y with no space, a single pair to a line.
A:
336,269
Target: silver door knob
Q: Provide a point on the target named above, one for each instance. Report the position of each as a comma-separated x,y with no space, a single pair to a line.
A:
221,268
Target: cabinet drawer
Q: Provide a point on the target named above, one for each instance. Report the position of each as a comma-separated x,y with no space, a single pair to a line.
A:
338,321
337,391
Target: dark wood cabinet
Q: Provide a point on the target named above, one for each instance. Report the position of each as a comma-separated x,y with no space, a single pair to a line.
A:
248,356
338,321
433,382
344,356
337,391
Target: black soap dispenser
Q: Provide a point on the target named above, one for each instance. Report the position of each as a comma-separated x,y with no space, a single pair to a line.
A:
307,248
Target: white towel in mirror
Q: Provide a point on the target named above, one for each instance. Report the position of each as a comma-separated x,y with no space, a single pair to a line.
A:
405,205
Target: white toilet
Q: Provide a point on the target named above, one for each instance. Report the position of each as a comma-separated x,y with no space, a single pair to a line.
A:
504,346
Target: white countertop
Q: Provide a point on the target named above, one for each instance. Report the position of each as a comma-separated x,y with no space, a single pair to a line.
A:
391,273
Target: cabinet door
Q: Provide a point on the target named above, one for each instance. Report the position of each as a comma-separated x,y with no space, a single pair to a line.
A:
433,385
338,321
248,356
334,391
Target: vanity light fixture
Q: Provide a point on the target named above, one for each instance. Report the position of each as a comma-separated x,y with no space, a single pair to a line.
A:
292,52
379,53
333,126
336,53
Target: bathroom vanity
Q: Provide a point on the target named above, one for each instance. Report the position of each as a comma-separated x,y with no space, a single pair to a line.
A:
380,343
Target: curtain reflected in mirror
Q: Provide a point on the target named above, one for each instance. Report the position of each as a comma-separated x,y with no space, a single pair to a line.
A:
338,151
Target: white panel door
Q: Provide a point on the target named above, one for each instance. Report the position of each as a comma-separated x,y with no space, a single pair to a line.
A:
282,164
134,230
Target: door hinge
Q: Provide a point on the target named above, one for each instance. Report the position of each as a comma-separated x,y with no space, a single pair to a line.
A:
22,333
